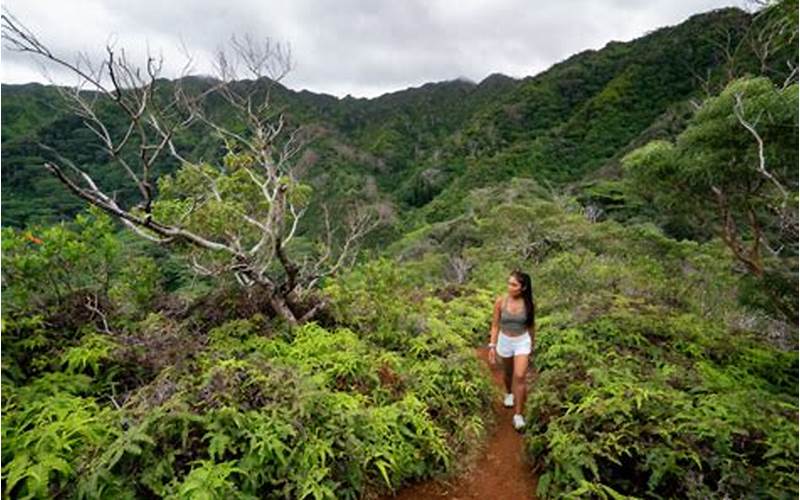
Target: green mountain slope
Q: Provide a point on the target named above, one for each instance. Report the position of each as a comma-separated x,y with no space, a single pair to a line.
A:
665,366
424,147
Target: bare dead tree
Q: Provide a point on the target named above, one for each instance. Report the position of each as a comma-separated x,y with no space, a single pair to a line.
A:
459,268
726,41
592,212
738,110
768,37
786,215
254,246
765,35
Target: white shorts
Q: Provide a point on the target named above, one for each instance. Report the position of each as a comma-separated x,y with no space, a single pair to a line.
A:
508,346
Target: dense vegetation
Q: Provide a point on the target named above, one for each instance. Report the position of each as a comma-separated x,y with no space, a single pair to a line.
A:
666,346
434,141
230,404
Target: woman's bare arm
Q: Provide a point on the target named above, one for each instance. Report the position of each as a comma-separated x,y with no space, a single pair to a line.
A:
495,321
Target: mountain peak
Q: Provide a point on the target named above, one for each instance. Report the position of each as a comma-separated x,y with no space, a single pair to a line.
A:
495,78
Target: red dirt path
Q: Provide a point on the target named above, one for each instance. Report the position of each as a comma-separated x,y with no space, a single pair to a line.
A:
501,473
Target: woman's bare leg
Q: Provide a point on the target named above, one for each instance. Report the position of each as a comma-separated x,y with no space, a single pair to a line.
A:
508,371
520,373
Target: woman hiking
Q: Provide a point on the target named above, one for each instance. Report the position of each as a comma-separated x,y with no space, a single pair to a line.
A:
512,338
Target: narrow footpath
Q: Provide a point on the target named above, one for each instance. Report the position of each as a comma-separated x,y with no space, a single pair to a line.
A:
501,472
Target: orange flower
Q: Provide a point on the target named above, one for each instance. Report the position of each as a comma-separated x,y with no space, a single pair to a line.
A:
33,238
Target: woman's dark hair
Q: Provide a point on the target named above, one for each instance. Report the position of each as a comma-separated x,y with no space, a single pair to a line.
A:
527,295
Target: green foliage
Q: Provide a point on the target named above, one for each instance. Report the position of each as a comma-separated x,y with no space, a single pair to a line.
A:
261,410
439,139
643,389
649,363
660,372
93,350
338,359
716,150
135,286
45,434
209,480
604,416
365,300
63,282
646,385
43,265
714,172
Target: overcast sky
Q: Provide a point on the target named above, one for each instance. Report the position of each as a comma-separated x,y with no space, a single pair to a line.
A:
358,47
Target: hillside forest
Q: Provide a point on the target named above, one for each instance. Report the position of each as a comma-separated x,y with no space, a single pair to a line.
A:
220,287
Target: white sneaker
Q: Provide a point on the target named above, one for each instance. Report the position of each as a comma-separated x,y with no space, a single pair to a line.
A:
508,402
519,422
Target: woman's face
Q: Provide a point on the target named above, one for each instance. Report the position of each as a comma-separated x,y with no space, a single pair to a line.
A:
514,286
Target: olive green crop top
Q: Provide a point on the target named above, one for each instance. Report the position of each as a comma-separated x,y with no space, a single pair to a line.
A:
511,323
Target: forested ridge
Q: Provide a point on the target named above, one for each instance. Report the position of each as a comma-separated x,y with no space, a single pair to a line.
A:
648,187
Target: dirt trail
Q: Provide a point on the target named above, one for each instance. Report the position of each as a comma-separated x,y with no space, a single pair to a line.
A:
501,472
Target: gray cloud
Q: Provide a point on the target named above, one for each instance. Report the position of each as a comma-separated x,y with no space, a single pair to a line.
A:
360,47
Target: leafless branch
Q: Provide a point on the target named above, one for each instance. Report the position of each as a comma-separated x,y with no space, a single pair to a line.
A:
738,110
92,303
